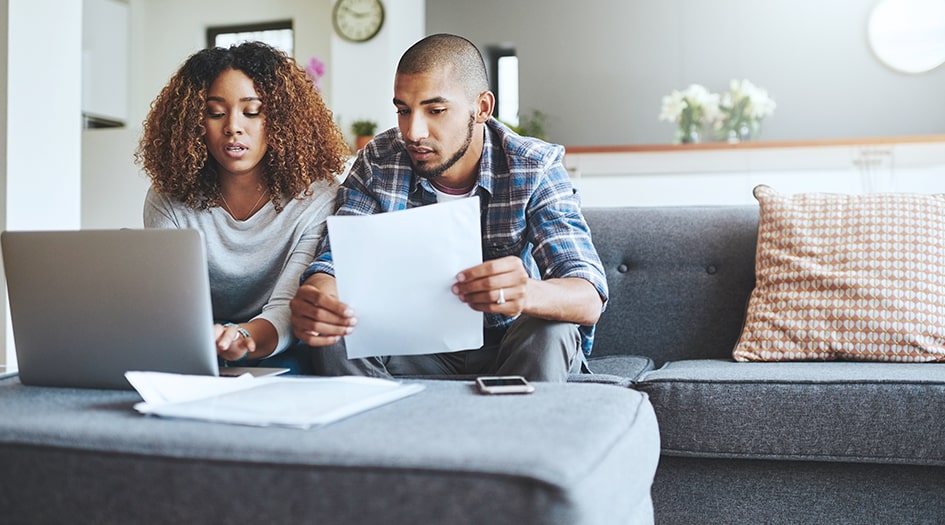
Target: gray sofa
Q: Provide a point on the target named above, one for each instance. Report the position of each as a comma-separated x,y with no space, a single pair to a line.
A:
750,443
799,442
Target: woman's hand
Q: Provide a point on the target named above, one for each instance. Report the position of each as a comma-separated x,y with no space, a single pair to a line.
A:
233,341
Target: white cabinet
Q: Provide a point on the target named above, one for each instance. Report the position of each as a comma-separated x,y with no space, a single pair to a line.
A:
104,62
723,174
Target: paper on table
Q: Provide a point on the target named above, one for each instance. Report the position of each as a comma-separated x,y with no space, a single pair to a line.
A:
396,270
265,401
157,388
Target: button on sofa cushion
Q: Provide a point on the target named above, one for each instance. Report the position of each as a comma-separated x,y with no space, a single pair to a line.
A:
847,277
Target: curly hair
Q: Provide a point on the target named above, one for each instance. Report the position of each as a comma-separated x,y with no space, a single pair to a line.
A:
304,144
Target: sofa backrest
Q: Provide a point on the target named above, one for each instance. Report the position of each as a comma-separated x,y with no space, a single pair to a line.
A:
679,279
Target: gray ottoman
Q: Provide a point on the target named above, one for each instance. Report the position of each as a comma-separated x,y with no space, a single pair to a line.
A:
568,454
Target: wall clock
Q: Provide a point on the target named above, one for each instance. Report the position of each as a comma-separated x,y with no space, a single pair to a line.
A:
358,20
908,35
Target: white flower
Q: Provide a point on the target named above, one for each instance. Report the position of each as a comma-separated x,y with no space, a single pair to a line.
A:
710,107
744,105
700,94
696,98
673,106
759,104
736,113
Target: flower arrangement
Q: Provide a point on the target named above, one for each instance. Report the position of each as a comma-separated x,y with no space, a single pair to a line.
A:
690,109
735,115
741,110
316,70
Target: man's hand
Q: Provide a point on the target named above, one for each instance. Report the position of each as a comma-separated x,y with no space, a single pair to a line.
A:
502,286
318,317
496,286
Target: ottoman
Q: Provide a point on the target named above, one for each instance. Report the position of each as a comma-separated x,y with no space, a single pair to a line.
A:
568,454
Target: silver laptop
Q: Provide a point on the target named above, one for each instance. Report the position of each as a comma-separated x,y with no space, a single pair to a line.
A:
89,305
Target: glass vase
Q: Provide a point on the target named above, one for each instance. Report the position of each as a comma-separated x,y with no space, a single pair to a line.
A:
745,131
688,134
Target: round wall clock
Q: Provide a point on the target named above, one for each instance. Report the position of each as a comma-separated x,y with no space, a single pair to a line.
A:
908,35
358,20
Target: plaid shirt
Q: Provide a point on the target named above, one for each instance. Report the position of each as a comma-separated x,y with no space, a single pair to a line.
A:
529,208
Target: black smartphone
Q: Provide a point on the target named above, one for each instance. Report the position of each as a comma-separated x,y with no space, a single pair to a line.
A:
504,385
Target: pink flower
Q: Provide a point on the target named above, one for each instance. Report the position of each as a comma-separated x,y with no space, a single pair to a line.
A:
315,70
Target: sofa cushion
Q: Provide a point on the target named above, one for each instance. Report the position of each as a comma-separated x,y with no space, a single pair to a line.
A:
820,411
628,367
679,279
847,277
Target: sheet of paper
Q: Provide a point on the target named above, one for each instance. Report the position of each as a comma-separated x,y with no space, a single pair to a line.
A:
396,270
157,388
298,402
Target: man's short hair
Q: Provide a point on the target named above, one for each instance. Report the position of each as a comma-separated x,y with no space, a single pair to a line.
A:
436,51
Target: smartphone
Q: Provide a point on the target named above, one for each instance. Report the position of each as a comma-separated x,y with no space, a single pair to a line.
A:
504,385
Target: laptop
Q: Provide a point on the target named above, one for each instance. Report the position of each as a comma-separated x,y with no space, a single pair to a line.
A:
89,305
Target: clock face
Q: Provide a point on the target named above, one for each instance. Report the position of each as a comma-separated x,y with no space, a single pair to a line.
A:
358,20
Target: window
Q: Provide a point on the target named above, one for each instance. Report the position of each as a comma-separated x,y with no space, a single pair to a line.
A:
277,34
503,70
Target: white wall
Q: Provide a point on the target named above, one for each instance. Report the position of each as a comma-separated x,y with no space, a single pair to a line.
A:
113,188
363,84
44,116
599,68
41,118
6,331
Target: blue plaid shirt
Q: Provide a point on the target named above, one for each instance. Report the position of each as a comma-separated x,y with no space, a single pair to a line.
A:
529,208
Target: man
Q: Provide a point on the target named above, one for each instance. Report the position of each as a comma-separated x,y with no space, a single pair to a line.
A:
541,287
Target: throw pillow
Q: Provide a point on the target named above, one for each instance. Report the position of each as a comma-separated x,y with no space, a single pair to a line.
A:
857,277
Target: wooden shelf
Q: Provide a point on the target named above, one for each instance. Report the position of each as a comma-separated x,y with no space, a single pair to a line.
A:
759,144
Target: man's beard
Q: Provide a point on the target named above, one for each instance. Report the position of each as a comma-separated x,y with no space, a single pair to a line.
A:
436,171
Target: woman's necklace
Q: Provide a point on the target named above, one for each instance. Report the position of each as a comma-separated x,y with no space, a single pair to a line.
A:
251,210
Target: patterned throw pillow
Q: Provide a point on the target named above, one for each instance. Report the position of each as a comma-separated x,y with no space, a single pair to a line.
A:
859,277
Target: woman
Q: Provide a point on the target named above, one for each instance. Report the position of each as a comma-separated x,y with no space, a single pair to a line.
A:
240,146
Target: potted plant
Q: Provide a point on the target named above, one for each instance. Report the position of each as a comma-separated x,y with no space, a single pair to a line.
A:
532,124
363,132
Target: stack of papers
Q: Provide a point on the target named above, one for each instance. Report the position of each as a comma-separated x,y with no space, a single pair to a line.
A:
263,401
